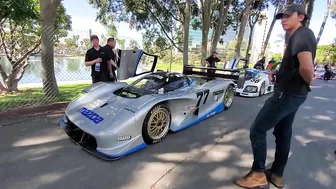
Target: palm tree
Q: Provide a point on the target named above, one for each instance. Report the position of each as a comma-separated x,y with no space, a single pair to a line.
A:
326,14
310,8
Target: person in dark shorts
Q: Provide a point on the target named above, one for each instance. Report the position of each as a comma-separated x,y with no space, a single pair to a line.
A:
292,86
260,65
211,62
112,65
97,58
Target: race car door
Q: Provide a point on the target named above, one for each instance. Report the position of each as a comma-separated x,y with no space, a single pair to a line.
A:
134,63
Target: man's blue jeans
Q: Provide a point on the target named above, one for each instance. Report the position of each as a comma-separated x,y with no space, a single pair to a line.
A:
278,112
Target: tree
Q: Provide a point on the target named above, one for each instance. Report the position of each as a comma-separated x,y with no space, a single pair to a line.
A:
255,17
326,54
71,43
278,5
333,9
224,7
133,44
326,14
244,18
310,9
206,21
121,42
21,38
186,32
149,15
48,9
163,20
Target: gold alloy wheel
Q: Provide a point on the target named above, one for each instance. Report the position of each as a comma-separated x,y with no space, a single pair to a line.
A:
228,97
158,123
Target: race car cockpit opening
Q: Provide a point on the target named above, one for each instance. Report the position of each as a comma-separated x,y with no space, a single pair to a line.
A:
153,84
250,74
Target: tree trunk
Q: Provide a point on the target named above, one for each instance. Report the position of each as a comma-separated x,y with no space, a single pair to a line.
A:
48,16
249,44
289,2
222,19
310,8
242,28
206,21
324,22
186,32
267,37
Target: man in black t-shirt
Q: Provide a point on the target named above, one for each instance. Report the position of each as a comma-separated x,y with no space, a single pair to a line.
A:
291,89
211,62
97,58
112,65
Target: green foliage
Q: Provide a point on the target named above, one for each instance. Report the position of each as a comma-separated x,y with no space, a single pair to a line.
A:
325,54
72,42
19,11
121,42
21,36
133,44
277,57
157,17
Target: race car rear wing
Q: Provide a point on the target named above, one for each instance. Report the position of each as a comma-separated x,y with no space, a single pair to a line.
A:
233,74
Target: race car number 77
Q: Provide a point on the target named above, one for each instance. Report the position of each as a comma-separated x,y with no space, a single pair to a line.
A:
200,96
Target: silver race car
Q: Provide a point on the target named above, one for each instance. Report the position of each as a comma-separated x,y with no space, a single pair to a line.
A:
112,120
256,84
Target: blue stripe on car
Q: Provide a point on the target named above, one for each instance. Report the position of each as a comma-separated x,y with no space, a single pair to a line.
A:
216,110
134,149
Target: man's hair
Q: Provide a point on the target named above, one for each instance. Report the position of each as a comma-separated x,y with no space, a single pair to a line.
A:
110,39
93,37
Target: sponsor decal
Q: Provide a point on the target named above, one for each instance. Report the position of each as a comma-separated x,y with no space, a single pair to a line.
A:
190,107
95,118
211,114
111,100
128,109
218,92
123,138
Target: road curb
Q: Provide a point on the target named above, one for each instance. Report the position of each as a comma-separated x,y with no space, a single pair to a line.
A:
27,111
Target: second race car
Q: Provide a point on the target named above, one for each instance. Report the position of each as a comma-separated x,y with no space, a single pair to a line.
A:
256,84
112,120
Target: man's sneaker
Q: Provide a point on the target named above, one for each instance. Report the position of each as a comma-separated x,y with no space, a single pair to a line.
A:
253,180
274,179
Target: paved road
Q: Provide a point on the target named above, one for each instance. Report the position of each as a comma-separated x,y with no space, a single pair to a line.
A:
35,154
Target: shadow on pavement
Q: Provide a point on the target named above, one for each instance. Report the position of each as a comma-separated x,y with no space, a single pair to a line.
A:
36,154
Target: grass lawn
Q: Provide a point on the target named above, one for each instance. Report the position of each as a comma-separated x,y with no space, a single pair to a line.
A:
36,96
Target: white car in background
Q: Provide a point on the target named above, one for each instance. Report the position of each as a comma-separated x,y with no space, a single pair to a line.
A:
256,84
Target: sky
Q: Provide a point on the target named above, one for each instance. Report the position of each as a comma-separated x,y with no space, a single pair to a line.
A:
84,15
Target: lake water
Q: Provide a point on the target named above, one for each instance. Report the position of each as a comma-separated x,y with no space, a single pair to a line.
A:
68,70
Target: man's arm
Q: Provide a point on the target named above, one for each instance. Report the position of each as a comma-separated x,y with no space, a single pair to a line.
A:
304,46
87,62
306,68
114,64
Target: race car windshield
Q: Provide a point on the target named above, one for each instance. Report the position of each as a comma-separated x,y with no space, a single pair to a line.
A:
147,85
250,75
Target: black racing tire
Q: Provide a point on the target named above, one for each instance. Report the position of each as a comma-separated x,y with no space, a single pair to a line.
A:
262,87
229,93
146,133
